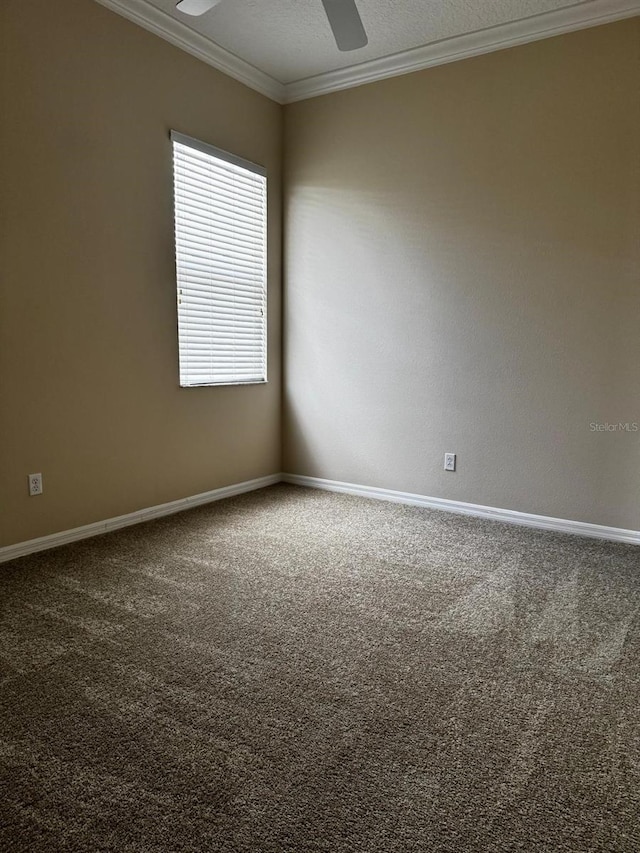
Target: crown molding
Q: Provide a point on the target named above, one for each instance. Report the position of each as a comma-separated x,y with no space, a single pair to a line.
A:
581,16
178,34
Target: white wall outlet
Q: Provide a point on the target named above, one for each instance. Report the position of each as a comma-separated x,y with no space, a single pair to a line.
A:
35,484
449,461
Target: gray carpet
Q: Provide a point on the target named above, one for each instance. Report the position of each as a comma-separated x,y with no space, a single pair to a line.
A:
291,670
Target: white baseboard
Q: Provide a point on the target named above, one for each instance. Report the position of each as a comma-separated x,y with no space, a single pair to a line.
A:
542,522
42,543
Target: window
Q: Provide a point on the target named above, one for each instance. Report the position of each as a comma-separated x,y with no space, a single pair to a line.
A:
220,229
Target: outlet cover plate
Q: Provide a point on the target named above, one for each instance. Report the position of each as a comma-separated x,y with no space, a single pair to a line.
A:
35,484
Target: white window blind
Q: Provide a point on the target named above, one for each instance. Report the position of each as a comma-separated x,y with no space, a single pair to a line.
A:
220,231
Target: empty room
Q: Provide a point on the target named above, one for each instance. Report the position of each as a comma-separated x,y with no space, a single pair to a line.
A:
320,426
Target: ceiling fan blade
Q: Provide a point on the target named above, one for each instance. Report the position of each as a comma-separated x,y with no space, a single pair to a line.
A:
196,7
346,24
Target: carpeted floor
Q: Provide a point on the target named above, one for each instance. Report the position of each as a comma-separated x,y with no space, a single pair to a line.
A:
293,671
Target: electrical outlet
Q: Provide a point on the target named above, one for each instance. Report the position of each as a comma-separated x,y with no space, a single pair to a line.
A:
449,461
35,484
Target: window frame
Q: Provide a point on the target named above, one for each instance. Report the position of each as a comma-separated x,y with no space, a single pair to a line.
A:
235,160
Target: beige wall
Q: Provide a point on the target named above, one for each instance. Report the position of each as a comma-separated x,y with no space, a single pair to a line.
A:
88,352
461,277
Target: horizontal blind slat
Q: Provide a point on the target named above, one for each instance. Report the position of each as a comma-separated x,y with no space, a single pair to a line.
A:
213,254
188,153
202,260
194,221
209,285
190,182
219,244
200,305
217,201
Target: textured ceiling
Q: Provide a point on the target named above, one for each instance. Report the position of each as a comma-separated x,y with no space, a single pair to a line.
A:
291,40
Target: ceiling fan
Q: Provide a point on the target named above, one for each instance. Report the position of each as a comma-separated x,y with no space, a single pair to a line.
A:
343,16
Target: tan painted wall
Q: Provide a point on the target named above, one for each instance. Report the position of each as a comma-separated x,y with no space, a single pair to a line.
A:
88,352
461,277
460,260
